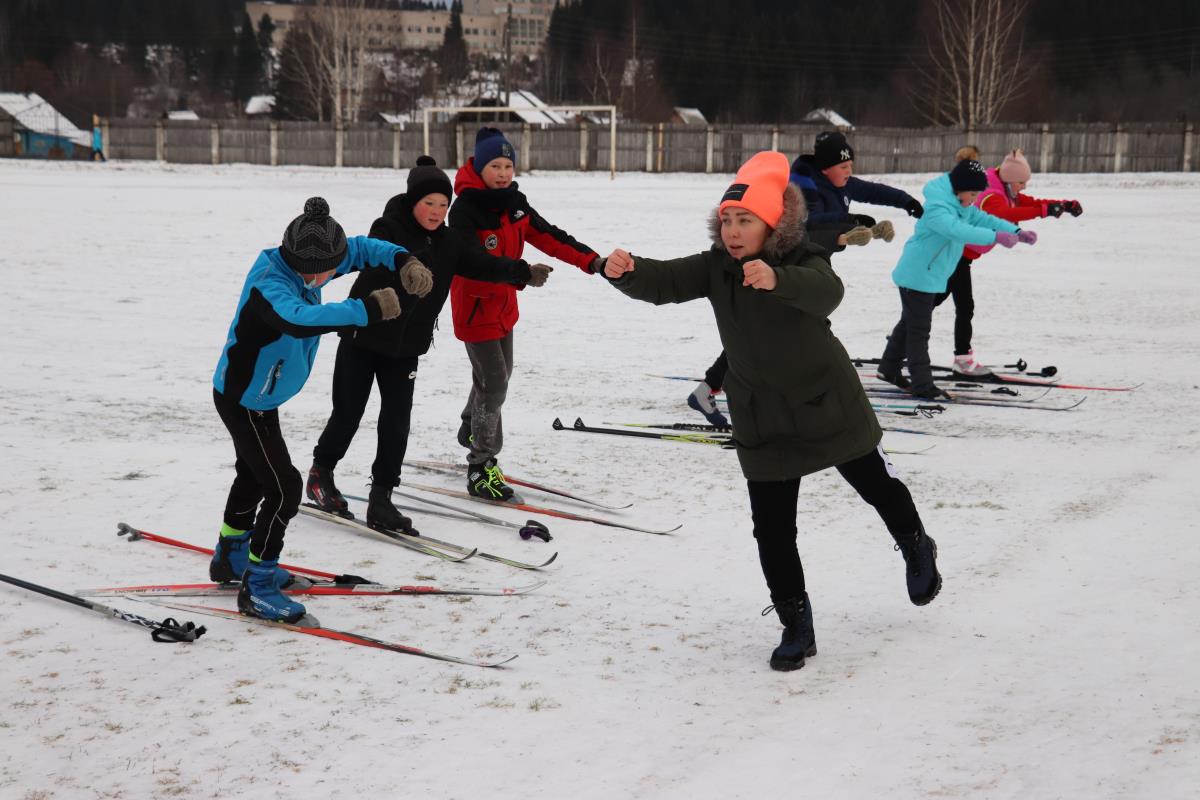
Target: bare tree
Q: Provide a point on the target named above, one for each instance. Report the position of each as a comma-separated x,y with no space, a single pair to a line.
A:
338,32
973,61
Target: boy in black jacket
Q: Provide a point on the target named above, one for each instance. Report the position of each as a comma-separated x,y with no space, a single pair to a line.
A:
388,354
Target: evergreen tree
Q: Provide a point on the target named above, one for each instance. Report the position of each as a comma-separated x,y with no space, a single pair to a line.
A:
247,79
452,59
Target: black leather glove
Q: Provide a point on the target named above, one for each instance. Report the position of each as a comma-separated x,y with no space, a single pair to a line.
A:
1073,208
864,220
1054,209
914,209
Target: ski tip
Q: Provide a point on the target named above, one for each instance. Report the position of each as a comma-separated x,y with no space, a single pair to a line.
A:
579,423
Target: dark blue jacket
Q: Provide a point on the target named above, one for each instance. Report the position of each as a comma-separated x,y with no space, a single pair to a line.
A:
827,203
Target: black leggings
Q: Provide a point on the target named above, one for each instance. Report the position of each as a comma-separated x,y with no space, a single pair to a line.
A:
773,508
353,373
959,287
715,375
264,475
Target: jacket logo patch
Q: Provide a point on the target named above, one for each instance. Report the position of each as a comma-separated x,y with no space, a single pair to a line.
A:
735,192
516,215
491,241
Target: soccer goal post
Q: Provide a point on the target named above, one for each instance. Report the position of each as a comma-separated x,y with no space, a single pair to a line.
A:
480,110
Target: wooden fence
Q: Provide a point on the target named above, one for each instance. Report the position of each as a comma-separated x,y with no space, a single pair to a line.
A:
1144,147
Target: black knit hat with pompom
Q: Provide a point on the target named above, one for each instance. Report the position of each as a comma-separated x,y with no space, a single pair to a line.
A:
426,178
314,242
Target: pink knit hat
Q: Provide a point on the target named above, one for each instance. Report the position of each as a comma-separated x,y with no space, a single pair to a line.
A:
1014,168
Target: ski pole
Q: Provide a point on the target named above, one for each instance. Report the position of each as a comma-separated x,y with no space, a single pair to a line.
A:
169,630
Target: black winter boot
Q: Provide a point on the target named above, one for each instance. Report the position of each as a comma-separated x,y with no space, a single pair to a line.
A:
798,642
920,558
382,514
894,378
321,490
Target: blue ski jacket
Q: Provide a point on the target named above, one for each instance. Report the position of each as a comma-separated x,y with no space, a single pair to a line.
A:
827,203
272,341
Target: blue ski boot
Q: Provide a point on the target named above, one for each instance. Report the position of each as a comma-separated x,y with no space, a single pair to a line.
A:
702,400
260,595
232,556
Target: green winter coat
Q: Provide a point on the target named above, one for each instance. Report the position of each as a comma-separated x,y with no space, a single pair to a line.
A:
797,403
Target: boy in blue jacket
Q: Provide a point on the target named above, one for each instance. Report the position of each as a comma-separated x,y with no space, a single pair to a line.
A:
269,352
949,223
826,179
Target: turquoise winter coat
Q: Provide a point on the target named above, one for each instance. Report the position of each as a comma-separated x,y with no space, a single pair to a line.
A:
932,253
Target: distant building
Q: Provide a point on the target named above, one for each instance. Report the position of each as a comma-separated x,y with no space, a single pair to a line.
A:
829,117
688,116
483,24
184,115
527,107
40,131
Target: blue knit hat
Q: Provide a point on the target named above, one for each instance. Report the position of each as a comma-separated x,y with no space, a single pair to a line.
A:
490,144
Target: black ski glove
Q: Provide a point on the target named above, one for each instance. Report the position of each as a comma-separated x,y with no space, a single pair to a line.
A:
914,209
1054,209
1073,208
865,220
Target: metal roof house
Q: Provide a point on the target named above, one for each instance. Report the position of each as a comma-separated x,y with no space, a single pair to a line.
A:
39,130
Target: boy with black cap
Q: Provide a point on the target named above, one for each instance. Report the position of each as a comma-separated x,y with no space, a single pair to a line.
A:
829,171
269,352
491,208
387,354
950,223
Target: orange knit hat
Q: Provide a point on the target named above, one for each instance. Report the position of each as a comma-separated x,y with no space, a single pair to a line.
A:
758,187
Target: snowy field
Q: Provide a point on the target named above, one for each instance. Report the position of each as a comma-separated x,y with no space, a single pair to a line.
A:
1059,660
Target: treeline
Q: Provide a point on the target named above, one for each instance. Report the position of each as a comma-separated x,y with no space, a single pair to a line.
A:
774,60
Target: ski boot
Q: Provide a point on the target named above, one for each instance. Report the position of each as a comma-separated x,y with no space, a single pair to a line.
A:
382,514
324,494
231,557
260,596
969,367
894,378
703,400
920,559
487,481
930,391
798,642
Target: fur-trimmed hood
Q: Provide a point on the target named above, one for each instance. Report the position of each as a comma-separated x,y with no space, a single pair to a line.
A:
787,235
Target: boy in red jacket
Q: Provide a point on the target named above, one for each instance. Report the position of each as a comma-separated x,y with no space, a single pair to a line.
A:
490,207
1002,199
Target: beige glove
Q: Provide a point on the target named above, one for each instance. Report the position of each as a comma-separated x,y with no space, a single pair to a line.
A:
538,273
416,278
386,303
858,235
884,230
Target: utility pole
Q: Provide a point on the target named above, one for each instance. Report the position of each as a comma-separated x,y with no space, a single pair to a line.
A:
636,66
508,55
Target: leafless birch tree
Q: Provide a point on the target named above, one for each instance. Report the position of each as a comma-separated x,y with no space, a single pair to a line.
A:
338,31
972,66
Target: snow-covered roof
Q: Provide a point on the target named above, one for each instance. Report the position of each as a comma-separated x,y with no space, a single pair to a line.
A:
35,114
184,114
827,115
523,100
690,116
260,104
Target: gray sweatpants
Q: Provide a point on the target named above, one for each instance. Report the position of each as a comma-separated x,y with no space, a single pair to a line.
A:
491,367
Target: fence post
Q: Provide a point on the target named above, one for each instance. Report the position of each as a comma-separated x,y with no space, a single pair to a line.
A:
709,136
339,143
274,143
662,143
1047,161
160,141
775,139
459,152
1118,149
216,144
395,146
106,140
583,145
649,148
526,135
1187,147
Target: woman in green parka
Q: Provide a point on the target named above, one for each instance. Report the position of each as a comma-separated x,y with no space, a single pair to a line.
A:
797,404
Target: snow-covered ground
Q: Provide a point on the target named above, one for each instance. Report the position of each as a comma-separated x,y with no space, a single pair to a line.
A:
1058,661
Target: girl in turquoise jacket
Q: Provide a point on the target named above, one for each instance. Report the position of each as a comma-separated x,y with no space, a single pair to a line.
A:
949,223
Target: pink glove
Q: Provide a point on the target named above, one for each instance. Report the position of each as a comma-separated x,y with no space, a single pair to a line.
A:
1027,237
1007,239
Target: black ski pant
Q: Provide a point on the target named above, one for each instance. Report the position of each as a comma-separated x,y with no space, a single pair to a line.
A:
491,370
353,373
266,487
909,340
773,509
715,375
959,287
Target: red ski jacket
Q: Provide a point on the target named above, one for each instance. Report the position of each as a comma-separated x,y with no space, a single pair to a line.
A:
996,201
503,221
